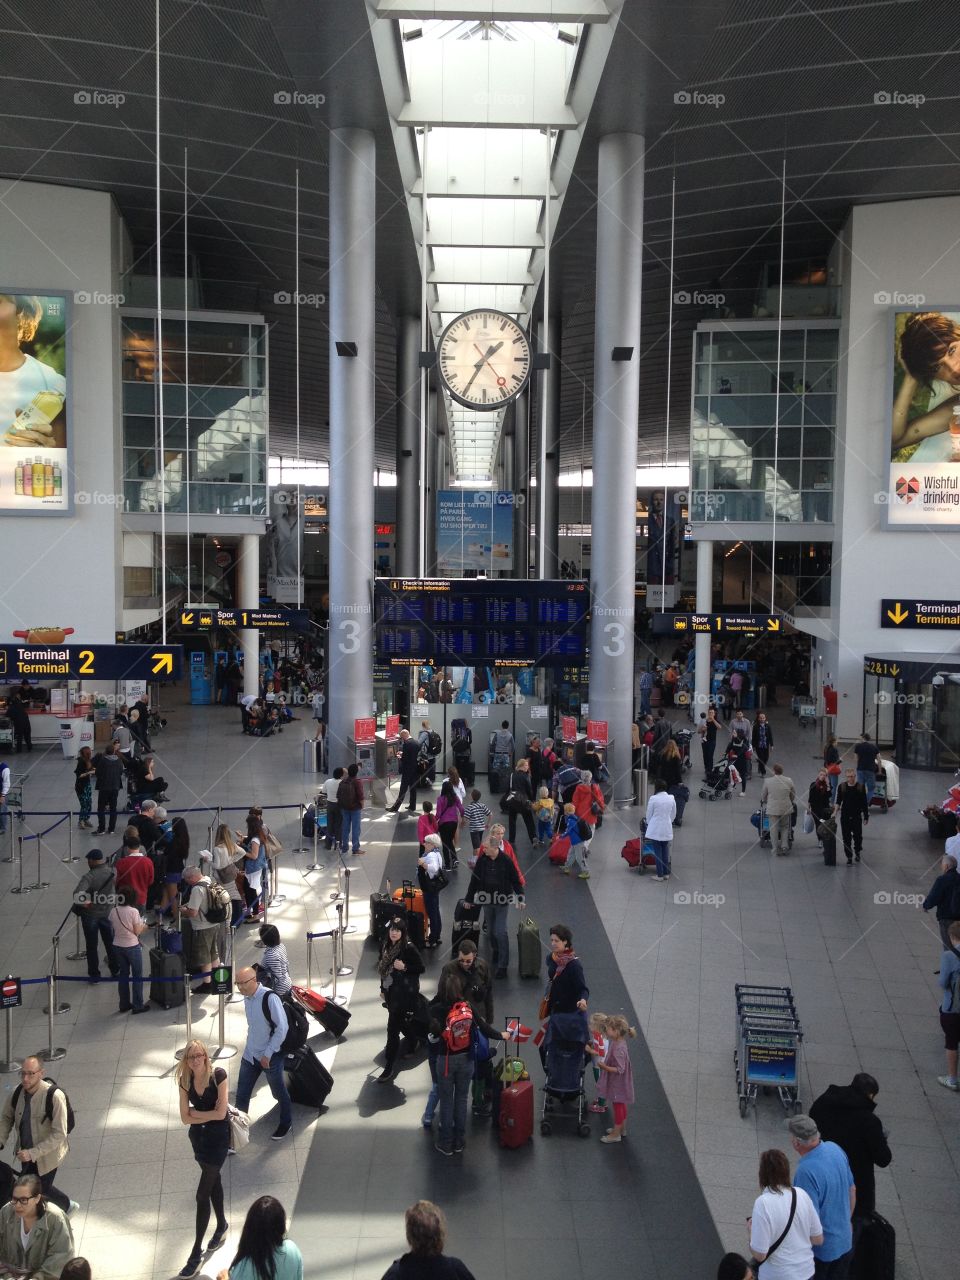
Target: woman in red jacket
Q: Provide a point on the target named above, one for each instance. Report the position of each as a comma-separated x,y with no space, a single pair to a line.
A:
587,799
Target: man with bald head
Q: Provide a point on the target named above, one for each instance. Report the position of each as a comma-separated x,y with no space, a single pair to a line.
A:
266,1029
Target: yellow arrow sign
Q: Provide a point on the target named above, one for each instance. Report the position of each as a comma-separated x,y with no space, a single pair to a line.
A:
162,663
186,619
894,670
897,614
773,624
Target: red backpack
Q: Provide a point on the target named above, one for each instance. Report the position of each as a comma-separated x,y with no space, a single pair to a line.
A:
458,1030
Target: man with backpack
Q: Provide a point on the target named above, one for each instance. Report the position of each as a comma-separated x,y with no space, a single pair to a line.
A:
267,1029
207,908
38,1117
463,1036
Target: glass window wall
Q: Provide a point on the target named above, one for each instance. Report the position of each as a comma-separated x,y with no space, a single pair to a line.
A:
215,425
762,442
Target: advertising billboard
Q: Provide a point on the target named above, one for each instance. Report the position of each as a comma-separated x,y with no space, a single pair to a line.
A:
923,482
474,530
34,405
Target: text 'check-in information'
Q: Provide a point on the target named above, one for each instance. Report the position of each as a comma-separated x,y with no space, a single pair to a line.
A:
914,614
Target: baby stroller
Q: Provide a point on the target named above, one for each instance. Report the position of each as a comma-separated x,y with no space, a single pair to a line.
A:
682,738
565,1060
721,781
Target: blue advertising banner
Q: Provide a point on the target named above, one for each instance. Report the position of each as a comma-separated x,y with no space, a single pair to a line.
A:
474,530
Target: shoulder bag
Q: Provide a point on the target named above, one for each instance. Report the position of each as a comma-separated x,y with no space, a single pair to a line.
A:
754,1264
239,1127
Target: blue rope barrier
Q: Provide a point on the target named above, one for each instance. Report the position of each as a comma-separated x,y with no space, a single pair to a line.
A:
328,934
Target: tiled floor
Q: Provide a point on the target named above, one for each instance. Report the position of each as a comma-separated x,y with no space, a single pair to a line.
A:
861,969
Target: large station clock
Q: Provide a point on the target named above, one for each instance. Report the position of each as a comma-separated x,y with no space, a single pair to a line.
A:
484,359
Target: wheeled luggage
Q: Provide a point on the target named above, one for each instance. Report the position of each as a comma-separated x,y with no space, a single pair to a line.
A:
465,910
165,964
171,942
308,1080
827,833
875,1255
410,899
332,1017
559,850
382,911
529,949
515,1109
417,928
631,854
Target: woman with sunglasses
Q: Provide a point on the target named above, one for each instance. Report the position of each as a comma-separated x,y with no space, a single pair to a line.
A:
35,1237
400,966
203,1108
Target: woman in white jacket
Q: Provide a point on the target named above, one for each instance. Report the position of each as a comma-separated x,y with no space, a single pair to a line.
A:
661,811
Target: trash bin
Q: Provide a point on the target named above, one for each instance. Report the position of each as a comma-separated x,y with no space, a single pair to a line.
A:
70,738
311,755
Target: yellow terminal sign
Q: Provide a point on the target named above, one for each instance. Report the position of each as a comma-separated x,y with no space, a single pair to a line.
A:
916,614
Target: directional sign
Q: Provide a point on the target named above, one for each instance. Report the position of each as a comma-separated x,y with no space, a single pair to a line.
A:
92,662
880,667
738,624
936,614
196,618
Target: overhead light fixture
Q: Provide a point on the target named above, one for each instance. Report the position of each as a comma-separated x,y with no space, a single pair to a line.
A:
347,349
568,37
414,34
622,353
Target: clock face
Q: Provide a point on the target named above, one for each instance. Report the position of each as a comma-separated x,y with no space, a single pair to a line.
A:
484,359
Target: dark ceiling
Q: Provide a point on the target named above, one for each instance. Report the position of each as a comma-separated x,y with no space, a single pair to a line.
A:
798,79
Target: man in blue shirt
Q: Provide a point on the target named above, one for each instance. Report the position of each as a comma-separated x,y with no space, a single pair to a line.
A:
824,1173
262,1050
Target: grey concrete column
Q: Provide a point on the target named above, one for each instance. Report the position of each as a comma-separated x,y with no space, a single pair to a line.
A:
430,497
248,585
616,409
521,486
547,517
408,446
701,679
352,166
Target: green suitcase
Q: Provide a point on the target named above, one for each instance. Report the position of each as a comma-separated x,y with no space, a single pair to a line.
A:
529,949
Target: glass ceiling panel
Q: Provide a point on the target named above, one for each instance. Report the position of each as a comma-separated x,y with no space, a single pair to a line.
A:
481,266
484,222
465,297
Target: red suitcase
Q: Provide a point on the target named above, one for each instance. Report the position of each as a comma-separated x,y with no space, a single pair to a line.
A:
516,1108
558,851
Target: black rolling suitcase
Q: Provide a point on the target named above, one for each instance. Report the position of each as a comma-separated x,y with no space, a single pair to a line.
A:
308,1080
415,929
164,965
463,930
382,911
875,1256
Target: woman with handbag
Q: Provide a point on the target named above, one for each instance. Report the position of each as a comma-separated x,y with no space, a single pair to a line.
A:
671,772
255,863
226,853
819,803
400,966
449,814
784,1225
202,1089
519,802
431,878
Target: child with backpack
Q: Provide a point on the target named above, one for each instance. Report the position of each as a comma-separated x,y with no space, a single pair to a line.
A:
543,816
619,1073
579,833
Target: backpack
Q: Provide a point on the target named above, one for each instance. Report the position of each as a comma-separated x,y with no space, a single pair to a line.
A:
309,822
434,743
584,829
48,1105
458,1029
218,904
297,1026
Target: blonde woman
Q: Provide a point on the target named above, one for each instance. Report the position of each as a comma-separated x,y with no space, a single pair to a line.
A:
202,1089
227,856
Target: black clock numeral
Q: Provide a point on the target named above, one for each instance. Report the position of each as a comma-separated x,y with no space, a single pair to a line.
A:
517,378
484,395
520,339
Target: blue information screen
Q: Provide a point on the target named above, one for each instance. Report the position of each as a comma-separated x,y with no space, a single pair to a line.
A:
470,621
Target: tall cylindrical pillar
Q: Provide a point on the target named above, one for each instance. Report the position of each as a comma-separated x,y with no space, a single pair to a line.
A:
430,497
547,518
701,698
616,410
521,486
408,446
352,167
248,586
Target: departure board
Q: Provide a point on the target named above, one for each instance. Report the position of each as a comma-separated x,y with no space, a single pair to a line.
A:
476,621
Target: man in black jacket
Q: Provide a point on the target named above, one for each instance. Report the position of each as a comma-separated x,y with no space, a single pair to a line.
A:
109,780
945,896
408,755
854,813
844,1114
495,884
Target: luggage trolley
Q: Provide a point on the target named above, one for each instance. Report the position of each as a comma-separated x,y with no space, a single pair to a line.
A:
769,1039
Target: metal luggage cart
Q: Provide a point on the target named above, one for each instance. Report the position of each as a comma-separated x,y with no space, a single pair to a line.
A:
761,820
880,794
6,731
769,1043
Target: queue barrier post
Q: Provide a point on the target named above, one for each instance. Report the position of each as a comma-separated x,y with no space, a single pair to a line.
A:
301,847
275,894
343,970
187,993
51,1053
40,884
338,891
316,866
9,1063
81,951
12,857
20,888
223,1050
347,926
56,1004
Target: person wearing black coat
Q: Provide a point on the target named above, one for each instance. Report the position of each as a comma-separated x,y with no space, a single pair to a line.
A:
496,884
761,739
408,755
426,1229
400,967
20,720
568,991
844,1114
522,805
945,896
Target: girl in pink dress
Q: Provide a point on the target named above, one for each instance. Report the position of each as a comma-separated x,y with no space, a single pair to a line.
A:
619,1073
